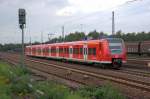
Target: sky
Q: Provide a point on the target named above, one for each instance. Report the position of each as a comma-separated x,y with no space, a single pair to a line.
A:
48,16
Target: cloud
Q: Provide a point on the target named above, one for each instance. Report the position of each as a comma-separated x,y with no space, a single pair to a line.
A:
89,6
48,16
67,11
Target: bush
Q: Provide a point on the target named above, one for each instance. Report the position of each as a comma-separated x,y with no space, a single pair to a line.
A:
21,85
75,96
15,81
5,70
51,90
104,92
5,96
87,91
19,71
12,73
108,92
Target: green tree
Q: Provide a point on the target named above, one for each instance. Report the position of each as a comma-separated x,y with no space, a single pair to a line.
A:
75,36
94,34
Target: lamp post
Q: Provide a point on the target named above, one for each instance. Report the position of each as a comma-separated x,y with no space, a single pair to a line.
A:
113,23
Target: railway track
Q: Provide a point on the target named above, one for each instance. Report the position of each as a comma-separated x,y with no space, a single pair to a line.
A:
84,77
123,71
138,63
135,72
139,58
46,72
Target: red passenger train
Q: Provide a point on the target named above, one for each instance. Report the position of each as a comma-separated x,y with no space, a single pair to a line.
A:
104,51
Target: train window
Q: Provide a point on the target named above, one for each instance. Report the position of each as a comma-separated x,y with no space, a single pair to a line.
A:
60,50
85,51
89,51
44,50
75,50
115,45
92,51
57,50
53,50
39,50
81,50
47,50
67,50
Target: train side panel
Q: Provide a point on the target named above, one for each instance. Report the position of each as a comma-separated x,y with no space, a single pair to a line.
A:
98,51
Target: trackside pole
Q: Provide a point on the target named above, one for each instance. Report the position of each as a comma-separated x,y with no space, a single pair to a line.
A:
23,54
22,22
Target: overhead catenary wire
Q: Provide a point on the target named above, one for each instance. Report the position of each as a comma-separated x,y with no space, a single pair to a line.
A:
92,14
75,21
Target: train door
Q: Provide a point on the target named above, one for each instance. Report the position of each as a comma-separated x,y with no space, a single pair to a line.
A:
70,51
85,51
49,51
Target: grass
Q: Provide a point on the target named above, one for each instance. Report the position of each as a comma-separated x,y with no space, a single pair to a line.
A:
13,81
51,90
4,82
104,92
16,83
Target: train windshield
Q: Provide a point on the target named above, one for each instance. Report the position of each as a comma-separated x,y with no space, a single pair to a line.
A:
115,45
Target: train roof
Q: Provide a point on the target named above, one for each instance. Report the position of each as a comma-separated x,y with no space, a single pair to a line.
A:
74,42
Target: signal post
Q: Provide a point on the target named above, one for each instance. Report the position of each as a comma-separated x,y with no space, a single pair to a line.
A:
22,22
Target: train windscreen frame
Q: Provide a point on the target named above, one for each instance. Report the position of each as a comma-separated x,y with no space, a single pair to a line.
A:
115,45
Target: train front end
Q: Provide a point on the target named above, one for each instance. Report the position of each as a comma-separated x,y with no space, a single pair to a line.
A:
117,52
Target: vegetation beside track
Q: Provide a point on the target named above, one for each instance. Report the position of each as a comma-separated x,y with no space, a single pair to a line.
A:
128,37
17,83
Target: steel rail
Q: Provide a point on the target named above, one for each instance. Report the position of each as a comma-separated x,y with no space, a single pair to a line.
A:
140,85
